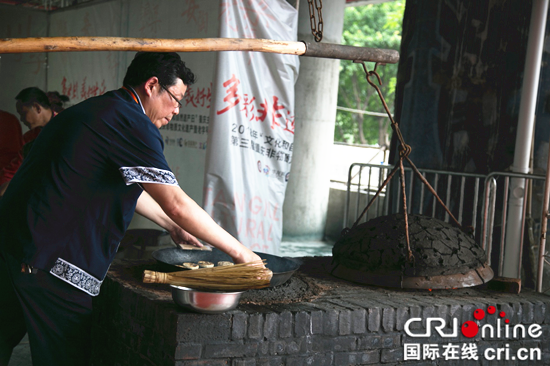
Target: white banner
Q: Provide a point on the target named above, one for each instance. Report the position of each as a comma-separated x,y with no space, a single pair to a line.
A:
251,134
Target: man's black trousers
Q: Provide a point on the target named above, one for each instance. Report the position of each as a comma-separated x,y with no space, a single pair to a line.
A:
56,315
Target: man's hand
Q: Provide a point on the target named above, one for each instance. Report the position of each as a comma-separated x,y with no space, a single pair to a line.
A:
180,236
183,212
245,256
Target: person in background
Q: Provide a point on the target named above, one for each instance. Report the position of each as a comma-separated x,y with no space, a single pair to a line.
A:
35,109
57,101
71,201
11,138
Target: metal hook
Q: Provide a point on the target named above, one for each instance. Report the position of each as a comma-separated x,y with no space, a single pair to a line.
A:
369,73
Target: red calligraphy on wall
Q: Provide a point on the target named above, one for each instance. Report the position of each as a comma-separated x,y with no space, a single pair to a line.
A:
82,89
280,115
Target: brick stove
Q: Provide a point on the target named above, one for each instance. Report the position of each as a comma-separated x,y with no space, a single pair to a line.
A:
313,319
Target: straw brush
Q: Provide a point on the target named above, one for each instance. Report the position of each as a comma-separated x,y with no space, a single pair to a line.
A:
245,276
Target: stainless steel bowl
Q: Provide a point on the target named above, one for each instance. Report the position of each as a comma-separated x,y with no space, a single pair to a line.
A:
203,301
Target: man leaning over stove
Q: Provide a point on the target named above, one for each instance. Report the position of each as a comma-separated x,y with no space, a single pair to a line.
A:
72,199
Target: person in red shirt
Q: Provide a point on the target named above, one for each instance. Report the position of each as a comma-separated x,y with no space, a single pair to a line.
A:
35,111
11,138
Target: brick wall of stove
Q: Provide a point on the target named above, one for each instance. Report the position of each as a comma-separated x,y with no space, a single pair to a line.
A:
134,329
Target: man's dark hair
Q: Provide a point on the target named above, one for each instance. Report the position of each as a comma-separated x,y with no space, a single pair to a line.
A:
57,100
166,66
33,95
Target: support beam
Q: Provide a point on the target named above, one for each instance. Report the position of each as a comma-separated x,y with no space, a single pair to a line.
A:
80,44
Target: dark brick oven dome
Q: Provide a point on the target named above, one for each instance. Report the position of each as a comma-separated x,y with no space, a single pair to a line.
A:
379,247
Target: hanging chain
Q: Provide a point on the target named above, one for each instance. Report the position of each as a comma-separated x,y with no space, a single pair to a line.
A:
316,26
404,151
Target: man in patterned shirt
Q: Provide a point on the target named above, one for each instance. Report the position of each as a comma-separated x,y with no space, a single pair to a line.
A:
72,199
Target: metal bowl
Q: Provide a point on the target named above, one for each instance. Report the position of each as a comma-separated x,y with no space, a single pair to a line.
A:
205,302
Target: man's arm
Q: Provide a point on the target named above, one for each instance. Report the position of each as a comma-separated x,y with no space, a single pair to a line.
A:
150,209
185,212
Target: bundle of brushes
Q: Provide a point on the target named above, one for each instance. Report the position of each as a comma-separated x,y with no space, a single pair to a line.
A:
240,277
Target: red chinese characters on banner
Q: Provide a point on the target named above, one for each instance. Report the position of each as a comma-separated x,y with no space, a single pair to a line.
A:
82,90
279,115
199,97
231,98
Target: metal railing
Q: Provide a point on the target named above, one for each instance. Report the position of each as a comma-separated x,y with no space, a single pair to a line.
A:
492,191
471,203
451,187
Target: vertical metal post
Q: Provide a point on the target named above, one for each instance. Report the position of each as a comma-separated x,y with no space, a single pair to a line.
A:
461,201
358,200
410,197
524,134
503,227
435,189
522,237
474,214
368,193
422,187
543,226
348,196
448,199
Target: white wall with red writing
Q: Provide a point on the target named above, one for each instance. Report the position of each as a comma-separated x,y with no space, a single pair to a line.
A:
81,75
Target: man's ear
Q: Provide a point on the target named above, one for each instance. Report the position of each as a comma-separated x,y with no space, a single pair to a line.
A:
38,107
150,85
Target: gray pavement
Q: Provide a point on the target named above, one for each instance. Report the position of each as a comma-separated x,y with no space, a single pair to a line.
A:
21,355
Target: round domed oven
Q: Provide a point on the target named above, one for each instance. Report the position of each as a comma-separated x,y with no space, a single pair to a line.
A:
441,256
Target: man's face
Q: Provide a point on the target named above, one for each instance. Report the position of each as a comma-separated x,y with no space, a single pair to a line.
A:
27,114
162,106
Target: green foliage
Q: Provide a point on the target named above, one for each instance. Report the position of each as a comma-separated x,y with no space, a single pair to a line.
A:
373,26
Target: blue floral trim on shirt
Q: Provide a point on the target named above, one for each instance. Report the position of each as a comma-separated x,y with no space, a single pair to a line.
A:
76,277
140,174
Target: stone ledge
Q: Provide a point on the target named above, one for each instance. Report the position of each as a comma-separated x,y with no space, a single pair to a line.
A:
344,323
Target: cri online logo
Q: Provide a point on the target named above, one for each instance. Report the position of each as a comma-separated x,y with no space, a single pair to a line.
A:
470,328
